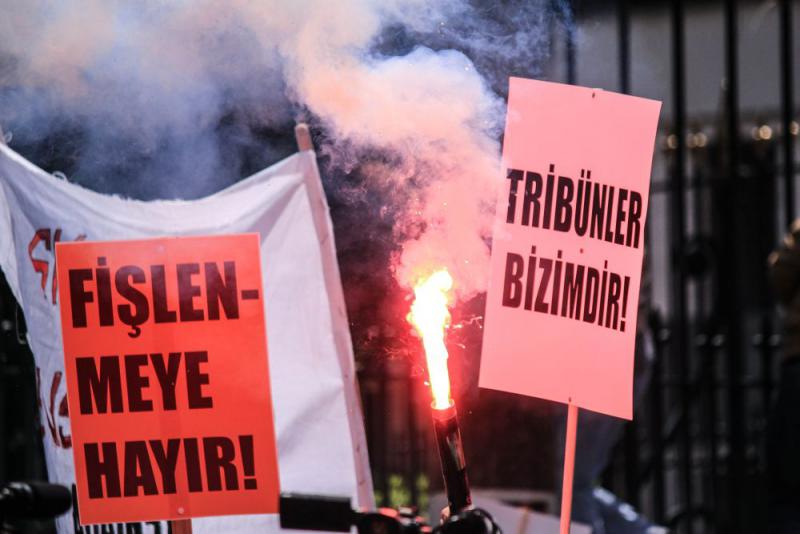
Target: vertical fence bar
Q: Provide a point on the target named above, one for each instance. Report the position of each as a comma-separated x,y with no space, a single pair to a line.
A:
630,439
704,344
736,428
570,21
656,422
709,383
413,449
787,106
678,294
381,435
624,38
570,55
702,183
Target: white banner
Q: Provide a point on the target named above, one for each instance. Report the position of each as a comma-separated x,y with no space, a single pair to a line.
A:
318,422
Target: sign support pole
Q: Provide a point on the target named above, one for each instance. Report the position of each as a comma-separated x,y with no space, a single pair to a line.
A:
303,137
569,468
181,526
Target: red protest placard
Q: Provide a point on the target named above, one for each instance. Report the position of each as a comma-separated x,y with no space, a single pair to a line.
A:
166,362
568,245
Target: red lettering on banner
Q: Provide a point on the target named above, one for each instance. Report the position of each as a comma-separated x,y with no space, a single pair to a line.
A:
42,266
60,438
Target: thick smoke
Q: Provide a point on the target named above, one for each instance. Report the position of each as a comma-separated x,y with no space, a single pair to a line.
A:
178,99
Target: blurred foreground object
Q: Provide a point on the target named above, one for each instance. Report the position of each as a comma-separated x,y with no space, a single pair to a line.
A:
33,500
513,519
335,514
783,427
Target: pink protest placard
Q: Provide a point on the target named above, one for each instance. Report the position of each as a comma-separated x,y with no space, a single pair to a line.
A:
568,245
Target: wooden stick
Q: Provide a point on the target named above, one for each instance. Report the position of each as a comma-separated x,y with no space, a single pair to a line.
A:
303,137
524,520
181,526
569,468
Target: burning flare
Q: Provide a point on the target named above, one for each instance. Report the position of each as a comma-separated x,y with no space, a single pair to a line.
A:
430,317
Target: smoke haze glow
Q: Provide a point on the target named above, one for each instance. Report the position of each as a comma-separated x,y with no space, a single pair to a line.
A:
172,99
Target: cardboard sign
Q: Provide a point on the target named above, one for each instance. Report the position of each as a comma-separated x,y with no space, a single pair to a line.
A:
568,245
167,379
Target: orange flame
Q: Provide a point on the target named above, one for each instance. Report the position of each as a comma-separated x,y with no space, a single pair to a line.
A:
430,317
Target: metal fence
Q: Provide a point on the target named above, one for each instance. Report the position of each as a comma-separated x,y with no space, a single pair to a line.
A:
694,459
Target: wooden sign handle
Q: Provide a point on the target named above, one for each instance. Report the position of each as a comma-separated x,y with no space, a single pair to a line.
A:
569,468
303,137
181,526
